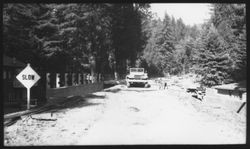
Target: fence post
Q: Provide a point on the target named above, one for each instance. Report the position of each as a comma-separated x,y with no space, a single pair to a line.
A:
87,78
96,78
48,80
79,79
62,80
70,79
73,79
76,79
90,78
99,77
84,78
57,80
53,80
66,79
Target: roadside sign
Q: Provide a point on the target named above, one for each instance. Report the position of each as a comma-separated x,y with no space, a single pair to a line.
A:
28,77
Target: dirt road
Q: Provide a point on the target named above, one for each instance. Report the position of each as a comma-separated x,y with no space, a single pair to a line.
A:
135,115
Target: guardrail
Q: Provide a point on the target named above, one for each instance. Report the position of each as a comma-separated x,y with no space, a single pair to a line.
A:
72,84
56,80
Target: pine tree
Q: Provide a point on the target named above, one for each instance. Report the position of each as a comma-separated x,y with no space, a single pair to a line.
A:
26,26
230,20
214,58
127,33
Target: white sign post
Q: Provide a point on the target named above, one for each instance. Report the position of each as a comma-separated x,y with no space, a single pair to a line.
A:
28,77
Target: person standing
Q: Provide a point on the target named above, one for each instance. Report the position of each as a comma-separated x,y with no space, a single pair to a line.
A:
165,85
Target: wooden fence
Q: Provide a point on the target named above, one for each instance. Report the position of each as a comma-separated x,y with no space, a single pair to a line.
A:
71,84
57,80
15,92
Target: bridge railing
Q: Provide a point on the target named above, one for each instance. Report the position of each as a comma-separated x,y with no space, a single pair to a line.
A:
57,80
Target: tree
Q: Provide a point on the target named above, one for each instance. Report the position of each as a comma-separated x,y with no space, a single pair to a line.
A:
26,26
127,33
180,30
72,37
214,59
160,47
230,20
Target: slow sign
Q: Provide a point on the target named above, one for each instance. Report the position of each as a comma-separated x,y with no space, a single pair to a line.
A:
28,77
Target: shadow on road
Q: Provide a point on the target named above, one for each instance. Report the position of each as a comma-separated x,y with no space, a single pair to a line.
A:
58,105
74,102
134,88
112,90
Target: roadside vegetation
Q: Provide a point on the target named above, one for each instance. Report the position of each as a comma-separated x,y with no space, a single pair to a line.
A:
110,38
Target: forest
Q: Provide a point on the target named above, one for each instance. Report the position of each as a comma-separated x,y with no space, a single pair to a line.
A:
109,38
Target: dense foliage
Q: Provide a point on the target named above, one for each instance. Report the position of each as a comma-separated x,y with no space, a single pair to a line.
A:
223,50
169,47
73,37
110,38
230,21
216,49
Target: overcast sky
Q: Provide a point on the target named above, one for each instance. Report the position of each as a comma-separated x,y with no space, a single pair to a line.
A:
191,13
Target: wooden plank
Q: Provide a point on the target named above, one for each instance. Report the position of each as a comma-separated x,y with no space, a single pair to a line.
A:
10,119
21,113
16,114
242,105
48,118
41,109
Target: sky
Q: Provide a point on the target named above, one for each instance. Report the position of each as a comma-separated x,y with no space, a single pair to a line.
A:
190,13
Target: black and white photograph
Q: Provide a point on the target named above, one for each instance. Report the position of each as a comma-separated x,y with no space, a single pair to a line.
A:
82,74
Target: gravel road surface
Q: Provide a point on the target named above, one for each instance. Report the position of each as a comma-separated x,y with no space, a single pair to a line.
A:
135,115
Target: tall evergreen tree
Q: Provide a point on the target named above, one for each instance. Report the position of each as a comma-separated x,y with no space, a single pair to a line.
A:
25,29
230,20
214,58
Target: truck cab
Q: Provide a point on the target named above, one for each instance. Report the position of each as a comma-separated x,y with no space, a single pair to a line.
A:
137,76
